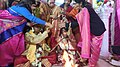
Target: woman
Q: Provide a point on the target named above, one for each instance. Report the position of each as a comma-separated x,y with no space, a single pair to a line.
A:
55,17
91,30
66,7
12,22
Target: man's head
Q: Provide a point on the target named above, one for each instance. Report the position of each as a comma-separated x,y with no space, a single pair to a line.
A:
51,3
67,1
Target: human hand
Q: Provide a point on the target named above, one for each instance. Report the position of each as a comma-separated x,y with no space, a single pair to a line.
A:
49,25
52,16
48,30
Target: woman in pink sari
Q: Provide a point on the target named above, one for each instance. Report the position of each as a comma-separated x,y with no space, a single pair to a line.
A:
12,22
91,30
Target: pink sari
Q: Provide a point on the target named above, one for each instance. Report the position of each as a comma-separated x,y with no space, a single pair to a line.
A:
96,44
90,44
84,26
11,37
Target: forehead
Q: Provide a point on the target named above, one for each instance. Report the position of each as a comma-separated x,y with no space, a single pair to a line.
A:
51,0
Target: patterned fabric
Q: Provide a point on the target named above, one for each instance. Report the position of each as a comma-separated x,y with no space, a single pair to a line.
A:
67,9
11,37
44,12
96,44
27,64
55,15
32,40
46,63
73,13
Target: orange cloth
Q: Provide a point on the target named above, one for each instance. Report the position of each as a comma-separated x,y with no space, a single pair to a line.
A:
73,13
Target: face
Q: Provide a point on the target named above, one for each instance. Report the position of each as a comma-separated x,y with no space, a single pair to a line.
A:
36,29
64,33
67,1
77,6
51,3
33,6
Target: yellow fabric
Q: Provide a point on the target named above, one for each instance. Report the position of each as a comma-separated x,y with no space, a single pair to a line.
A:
31,53
46,49
56,11
46,63
33,39
44,12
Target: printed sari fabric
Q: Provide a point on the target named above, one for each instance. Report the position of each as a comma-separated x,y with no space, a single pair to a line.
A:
11,37
43,12
96,44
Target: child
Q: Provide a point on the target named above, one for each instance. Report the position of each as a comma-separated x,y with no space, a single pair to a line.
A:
33,38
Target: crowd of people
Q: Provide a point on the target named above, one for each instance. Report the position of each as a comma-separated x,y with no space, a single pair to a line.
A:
36,33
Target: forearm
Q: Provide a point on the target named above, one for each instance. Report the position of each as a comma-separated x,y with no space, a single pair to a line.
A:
24,12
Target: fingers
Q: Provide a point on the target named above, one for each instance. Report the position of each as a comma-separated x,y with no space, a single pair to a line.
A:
48,30
49,25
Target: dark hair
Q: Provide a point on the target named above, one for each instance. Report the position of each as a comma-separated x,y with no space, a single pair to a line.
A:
81,1
26,4
70,1
84,3
26,29
61,30
42,28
